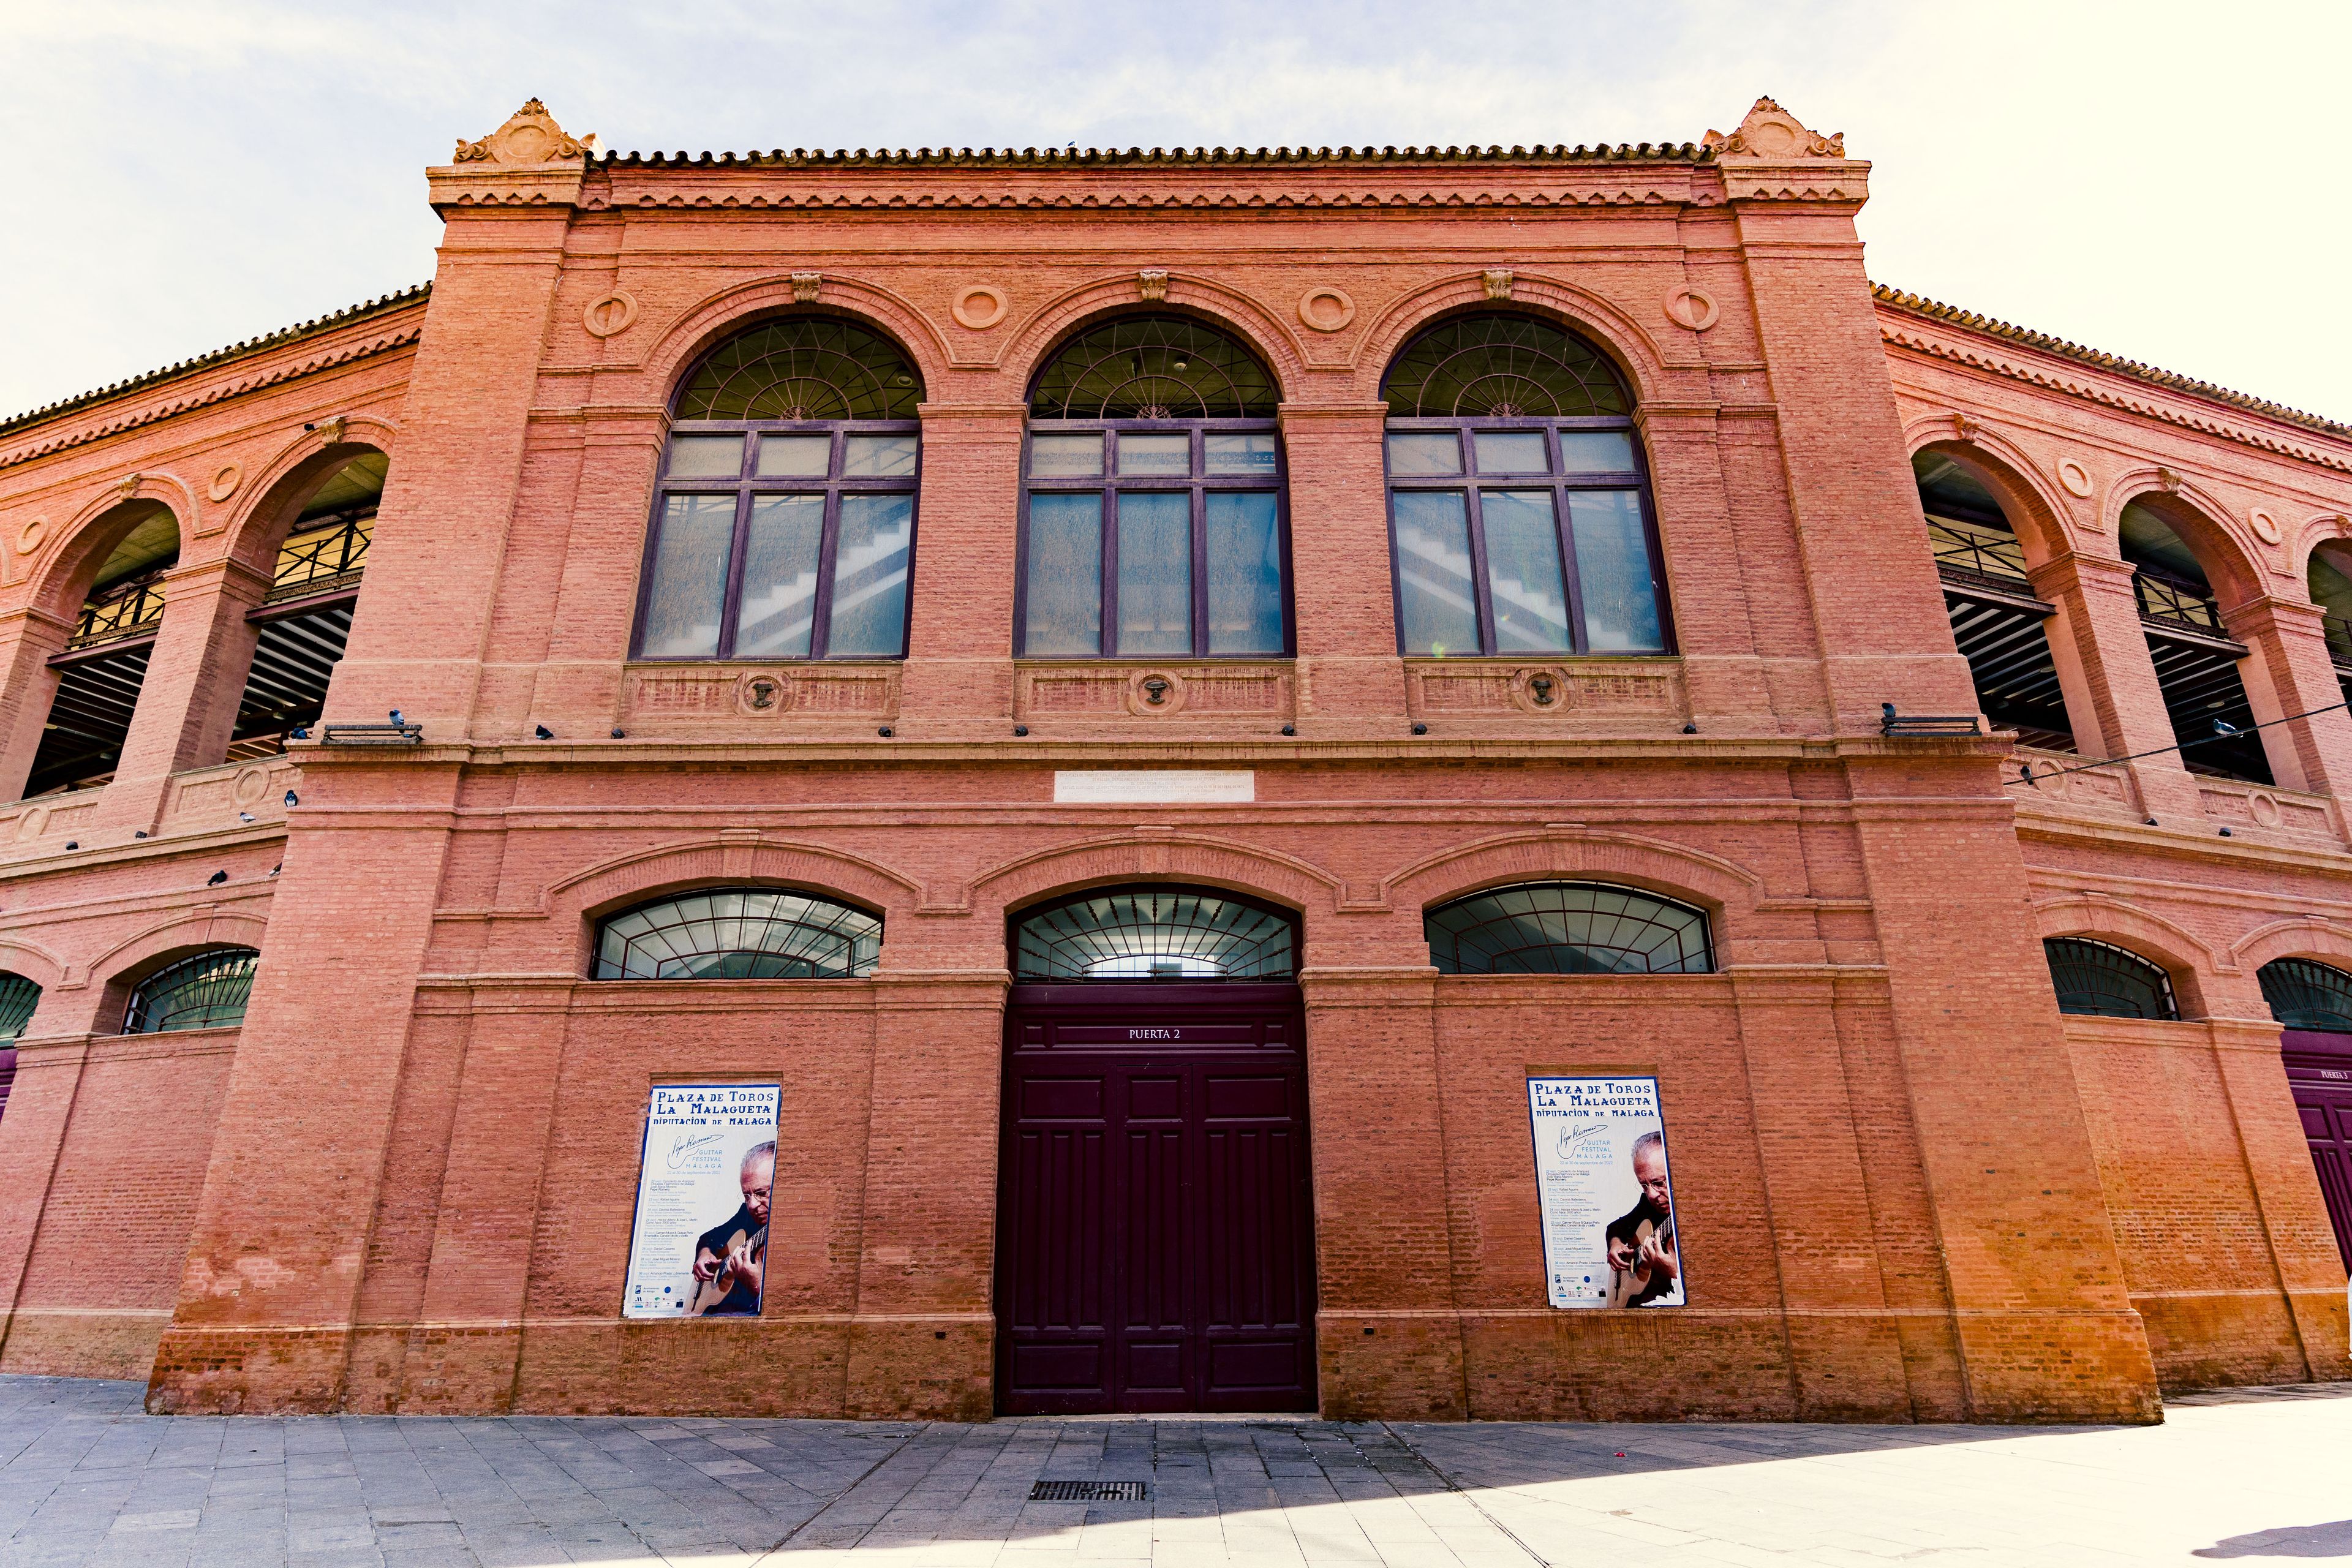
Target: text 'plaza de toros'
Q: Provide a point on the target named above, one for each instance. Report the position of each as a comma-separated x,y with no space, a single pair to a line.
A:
1408,783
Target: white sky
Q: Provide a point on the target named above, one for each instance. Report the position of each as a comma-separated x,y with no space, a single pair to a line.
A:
2164,180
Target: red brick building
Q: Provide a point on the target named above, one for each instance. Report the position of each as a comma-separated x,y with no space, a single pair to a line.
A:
1151,694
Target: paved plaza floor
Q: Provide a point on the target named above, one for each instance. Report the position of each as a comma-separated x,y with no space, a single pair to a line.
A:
2254,1475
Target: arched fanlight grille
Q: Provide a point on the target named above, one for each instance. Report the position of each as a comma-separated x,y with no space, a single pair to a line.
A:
18,998
1567,928
1493,366
740,933
1154,367
2094,979
205,992
2303,995
803,368
1153,933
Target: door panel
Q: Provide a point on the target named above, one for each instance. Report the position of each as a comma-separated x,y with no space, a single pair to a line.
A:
2320,1071
1155,1249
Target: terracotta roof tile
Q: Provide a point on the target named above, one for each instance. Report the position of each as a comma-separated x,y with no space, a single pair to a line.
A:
1098,157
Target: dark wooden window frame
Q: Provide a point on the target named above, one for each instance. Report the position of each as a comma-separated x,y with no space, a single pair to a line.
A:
745,487
1110,484
1470,483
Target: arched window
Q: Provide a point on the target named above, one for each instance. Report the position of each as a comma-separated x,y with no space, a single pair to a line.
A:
1567,928
1152,503
1153,933
18,998
785,524
2095,979
2304,994
739,933
1998,622
1518,505
104,663
2196,659
205,992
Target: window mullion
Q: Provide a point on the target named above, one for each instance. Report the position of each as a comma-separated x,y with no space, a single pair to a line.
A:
828,548
738,542
1199,564
1563,528
1480,591
1106,642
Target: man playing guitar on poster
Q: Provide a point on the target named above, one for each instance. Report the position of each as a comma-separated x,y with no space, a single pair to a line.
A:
1644,1266
731,1259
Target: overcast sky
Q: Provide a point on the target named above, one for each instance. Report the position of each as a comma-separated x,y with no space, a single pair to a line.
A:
2164,180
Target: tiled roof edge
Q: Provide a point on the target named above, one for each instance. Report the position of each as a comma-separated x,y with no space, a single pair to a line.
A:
1935,310
295,334
1098,157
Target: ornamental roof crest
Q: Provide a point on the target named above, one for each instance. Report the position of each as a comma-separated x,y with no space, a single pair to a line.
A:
530,136
1771,132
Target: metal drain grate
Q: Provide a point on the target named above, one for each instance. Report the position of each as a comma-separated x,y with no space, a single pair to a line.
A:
1088,1491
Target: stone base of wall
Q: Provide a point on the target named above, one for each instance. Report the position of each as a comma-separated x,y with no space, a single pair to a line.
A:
2223,1339
79,1341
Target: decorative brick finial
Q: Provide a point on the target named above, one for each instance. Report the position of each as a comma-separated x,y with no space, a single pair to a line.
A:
1771,133
530,136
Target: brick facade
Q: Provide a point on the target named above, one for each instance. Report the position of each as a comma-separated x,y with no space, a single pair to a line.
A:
1910,1189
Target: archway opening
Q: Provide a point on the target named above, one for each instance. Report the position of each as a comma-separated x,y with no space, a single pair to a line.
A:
2313,1004
104,663
1155,1235
1999,624
18,998
2196,659
304,621
2330,579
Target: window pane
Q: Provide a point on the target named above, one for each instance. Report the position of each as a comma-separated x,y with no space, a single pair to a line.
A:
1249,454
1613,569
878,457
780,561
796,456
1155,572
1063,602
1425,452
869,577
1436,603
706,456
1596,451
1065,457
1155,455
1523,572
1245,572
1512,452
682,609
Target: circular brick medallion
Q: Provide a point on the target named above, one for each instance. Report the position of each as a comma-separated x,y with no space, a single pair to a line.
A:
2075,477
2264,807
34,532
763,691
1692,308
608,315
980,306
1154,692
2266,527
224,482
1326,310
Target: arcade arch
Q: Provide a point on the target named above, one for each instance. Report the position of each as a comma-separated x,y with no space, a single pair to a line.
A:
102,668
1999,622
2329,578
2195,656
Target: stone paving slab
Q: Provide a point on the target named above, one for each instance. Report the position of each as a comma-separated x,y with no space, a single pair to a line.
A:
87,1480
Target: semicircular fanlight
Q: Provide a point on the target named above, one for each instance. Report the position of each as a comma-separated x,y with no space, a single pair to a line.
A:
2099,980
207,991
2305,995
1154,367
1152,933
1498,366
802,368
739,933
18,998
1567,928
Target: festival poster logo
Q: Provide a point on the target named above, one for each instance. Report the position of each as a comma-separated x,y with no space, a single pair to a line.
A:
705,1182
1605,1192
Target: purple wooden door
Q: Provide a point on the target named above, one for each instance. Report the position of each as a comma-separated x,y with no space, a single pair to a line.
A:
1155,1248
2319,1070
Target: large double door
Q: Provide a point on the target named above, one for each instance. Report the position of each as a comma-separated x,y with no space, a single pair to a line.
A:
1155,1247
2319,1070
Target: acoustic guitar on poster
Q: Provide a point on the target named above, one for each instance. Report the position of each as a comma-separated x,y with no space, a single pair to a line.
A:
1626,1285
753,1245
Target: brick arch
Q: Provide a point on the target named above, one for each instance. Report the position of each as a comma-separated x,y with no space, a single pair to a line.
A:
2181,954
69,558
136,957
1727,890
2031,503
2233,563
644,874
743,306
2304,542
1195,859
1628,346
285,484
2300,937
1229,311
37,964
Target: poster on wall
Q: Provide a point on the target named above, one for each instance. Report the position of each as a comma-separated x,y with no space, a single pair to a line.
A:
1605,1193
699,1246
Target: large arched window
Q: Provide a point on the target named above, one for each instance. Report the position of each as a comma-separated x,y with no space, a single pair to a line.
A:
739,933
18,998
785,524
205,992
2099,980
1152,502
1153,933
2197,660
2308,995
1518,504
1567,928
1998,622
